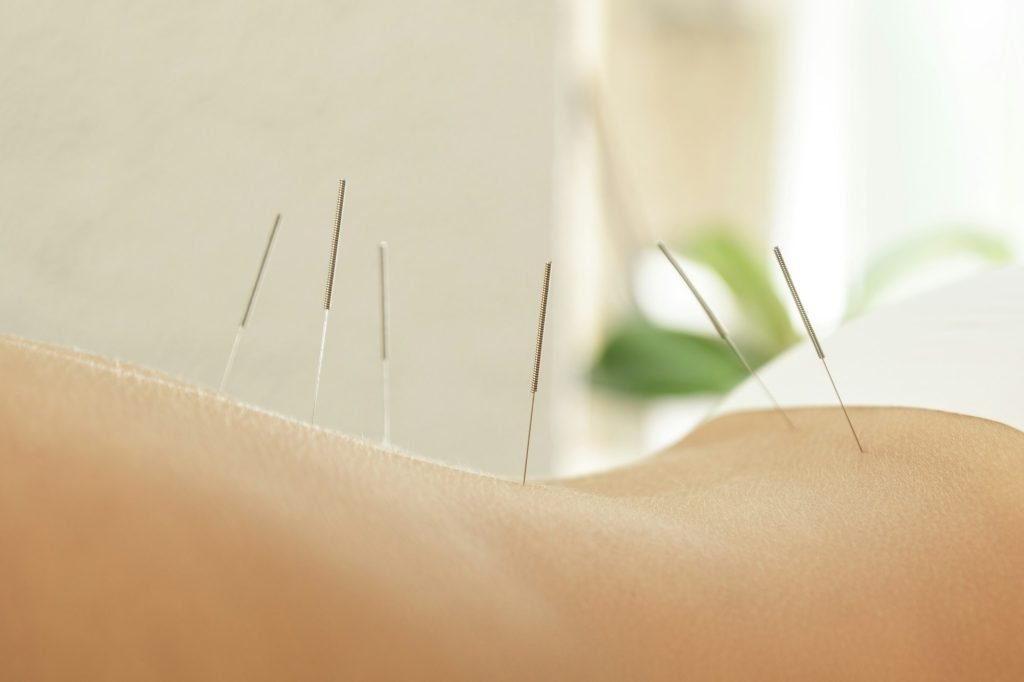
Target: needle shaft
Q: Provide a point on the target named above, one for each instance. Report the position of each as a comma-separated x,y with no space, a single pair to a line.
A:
231,358
248,307
529,436
536,361
842,405
329,291
723,332
385,339
814,341
319,366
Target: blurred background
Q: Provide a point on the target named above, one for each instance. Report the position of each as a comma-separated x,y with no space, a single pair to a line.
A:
146,148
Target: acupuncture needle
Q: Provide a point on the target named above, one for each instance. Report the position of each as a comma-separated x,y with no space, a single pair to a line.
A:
248,307
814,340
536,361
385,340
329,291
723,332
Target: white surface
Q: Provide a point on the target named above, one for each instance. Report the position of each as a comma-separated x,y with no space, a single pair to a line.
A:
958,349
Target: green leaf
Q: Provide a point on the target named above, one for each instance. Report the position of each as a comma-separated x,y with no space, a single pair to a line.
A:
749,281
644,359
901,260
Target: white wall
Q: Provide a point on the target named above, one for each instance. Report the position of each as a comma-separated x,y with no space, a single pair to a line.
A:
146,148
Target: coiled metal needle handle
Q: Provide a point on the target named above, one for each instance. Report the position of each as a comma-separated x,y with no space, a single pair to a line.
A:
540,326
799,304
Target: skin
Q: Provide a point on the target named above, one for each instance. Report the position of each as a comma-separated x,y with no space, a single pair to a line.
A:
153,530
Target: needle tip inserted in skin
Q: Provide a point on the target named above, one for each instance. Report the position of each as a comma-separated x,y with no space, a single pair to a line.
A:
329,290
723,332
545,287
814,340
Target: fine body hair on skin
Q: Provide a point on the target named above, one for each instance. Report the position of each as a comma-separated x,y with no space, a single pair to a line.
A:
150,529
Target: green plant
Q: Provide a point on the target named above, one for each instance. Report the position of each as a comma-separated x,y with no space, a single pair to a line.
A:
644,359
